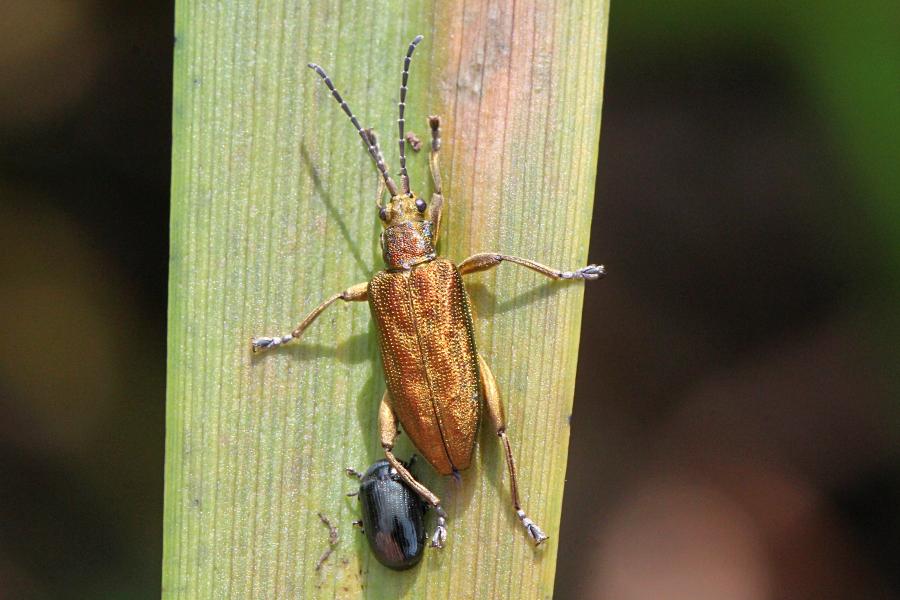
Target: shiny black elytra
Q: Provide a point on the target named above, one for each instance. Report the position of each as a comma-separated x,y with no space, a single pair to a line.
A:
393,516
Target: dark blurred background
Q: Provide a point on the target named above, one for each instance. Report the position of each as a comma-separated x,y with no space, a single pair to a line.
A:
736,420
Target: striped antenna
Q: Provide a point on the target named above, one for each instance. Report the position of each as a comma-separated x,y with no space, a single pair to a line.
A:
373,151
372,142
404,177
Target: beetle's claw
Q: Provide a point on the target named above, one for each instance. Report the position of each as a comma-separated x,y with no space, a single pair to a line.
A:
440,534
534,532
590,272
264,343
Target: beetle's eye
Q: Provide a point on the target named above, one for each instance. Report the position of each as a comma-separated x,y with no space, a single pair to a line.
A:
382,213
420,205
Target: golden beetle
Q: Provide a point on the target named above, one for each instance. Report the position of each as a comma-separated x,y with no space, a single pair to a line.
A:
436,380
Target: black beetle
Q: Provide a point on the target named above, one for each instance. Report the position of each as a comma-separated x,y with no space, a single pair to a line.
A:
393,516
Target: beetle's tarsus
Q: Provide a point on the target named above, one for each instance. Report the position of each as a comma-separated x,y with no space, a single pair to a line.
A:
261,343
264,343
440,534
589,272
534,532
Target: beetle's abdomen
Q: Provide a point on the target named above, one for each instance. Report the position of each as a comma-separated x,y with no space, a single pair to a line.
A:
429,356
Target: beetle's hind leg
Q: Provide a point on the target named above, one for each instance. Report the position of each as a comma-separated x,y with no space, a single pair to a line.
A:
387,425
494,405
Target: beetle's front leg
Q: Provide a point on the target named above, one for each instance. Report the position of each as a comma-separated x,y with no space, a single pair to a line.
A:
437,195
387,425
489,260
357,293
495,412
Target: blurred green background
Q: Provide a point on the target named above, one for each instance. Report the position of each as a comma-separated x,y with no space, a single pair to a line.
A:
736,423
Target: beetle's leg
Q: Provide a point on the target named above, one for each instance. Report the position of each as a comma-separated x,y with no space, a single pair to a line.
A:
489,260
437,197
357,293
353,473
387,425
494,405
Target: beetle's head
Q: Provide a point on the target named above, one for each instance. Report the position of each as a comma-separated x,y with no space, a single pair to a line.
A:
407,238
401,208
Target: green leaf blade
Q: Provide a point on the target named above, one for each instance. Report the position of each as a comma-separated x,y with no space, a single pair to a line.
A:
272,212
